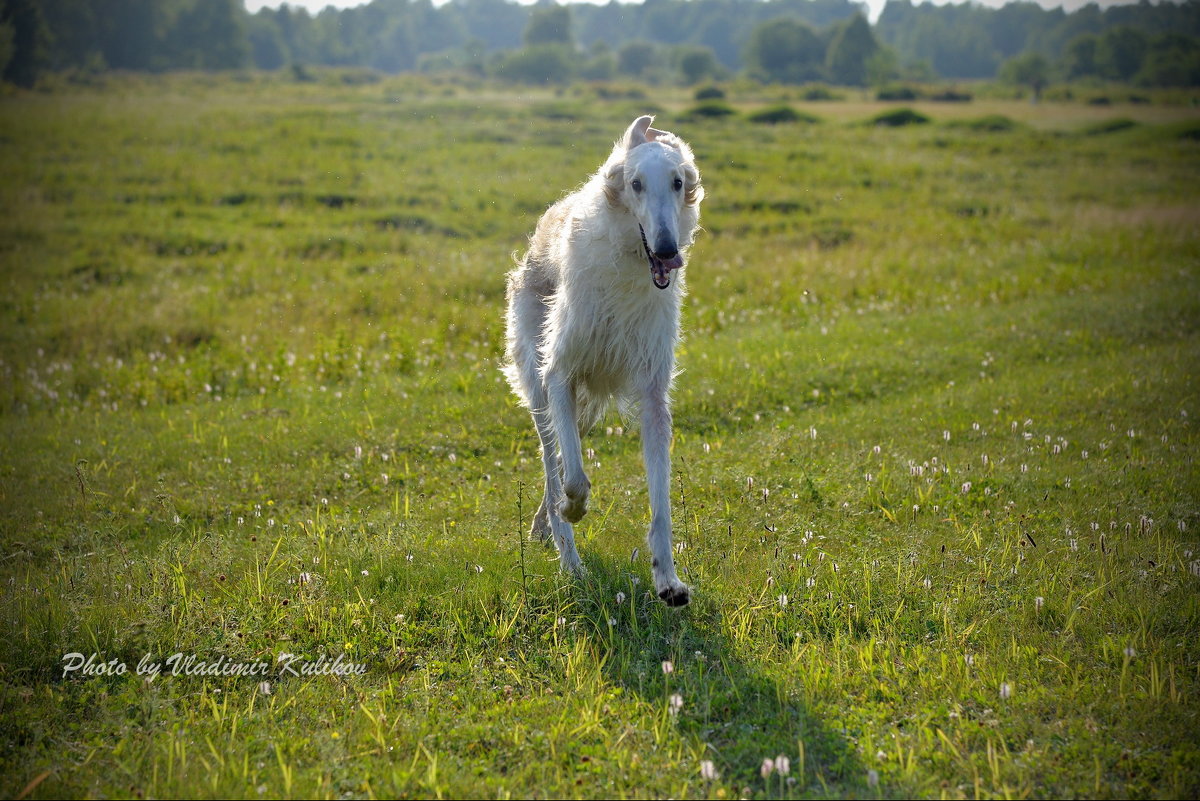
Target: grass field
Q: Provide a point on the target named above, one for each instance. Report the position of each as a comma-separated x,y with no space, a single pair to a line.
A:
935,478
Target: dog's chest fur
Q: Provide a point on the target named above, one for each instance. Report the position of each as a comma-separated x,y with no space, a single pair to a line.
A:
621,331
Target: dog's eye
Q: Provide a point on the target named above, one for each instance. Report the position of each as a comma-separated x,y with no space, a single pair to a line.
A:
678,184
636,184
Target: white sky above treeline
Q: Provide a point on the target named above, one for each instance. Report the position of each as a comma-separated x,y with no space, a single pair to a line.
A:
875,6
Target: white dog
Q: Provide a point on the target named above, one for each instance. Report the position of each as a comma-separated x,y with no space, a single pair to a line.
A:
593,318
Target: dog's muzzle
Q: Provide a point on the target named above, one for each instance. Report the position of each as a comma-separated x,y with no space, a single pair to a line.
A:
660,269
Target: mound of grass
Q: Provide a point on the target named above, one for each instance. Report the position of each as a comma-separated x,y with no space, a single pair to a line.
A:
951,96
897,92
987,123
1109,126
773,115
899,117
712,109
819,92
709,93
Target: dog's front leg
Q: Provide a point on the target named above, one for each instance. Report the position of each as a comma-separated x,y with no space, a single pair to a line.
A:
560,397
656,447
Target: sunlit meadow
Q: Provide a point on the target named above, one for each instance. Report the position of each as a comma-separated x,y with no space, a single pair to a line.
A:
934,465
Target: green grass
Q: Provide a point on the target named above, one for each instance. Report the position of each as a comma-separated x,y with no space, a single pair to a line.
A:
935,486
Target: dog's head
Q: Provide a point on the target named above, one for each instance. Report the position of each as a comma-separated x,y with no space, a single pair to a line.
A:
652,174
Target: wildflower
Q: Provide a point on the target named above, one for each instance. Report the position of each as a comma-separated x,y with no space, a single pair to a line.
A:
1129,652
562,621
620,597
707,771
812,582
478,568
366,573
783,601
966,487
928,584
768,767
668,667
783,765
1039,602
1005,691
612,621
675,703
264,687
304,578
873,778
946,436
969,659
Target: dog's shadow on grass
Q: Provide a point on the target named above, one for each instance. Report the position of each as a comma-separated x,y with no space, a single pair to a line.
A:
685,660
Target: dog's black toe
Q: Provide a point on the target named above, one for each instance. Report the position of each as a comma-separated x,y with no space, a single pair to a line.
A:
675,597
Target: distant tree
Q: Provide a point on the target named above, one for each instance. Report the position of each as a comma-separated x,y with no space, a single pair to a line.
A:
539,64
601,64
883,67
696,63
7,48
784,50
74,34
268,51
30,41
1028,69
1079,57
1172,60
851,48
549,25
209,35
637,58
1120,52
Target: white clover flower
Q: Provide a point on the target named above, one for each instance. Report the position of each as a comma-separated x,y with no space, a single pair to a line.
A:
767,768
783,601
783,765
1005,691
668,667
264,687
707,771
620,597
675,703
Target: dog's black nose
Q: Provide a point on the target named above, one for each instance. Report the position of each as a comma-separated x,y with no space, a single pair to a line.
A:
666,251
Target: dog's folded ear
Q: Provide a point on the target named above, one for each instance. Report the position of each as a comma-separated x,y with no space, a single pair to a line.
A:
635,134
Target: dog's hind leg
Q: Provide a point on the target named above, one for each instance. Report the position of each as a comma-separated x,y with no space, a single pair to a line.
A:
656,451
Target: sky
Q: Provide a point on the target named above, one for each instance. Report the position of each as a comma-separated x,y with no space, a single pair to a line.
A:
875,6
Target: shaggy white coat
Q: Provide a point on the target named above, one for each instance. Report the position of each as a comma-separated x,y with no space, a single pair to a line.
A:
589,324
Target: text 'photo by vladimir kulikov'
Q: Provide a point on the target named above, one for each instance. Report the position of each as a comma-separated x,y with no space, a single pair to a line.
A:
665,399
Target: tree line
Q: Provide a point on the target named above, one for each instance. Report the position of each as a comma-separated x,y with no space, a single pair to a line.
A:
657,40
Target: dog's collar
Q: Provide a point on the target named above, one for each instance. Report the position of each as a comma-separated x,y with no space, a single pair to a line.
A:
660,274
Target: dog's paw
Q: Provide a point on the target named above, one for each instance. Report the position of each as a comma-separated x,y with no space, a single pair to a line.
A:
575,503
676,593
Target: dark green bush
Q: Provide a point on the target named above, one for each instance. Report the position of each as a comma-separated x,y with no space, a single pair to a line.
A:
773,115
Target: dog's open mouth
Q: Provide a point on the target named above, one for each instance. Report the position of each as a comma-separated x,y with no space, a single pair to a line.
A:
660,269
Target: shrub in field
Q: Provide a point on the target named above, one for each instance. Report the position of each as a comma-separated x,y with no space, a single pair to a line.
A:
899,117
897,93
951,96
713,109
1109,126
709,93
773,115
988,122
818,92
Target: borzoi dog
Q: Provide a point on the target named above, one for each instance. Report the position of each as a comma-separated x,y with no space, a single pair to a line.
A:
589,325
